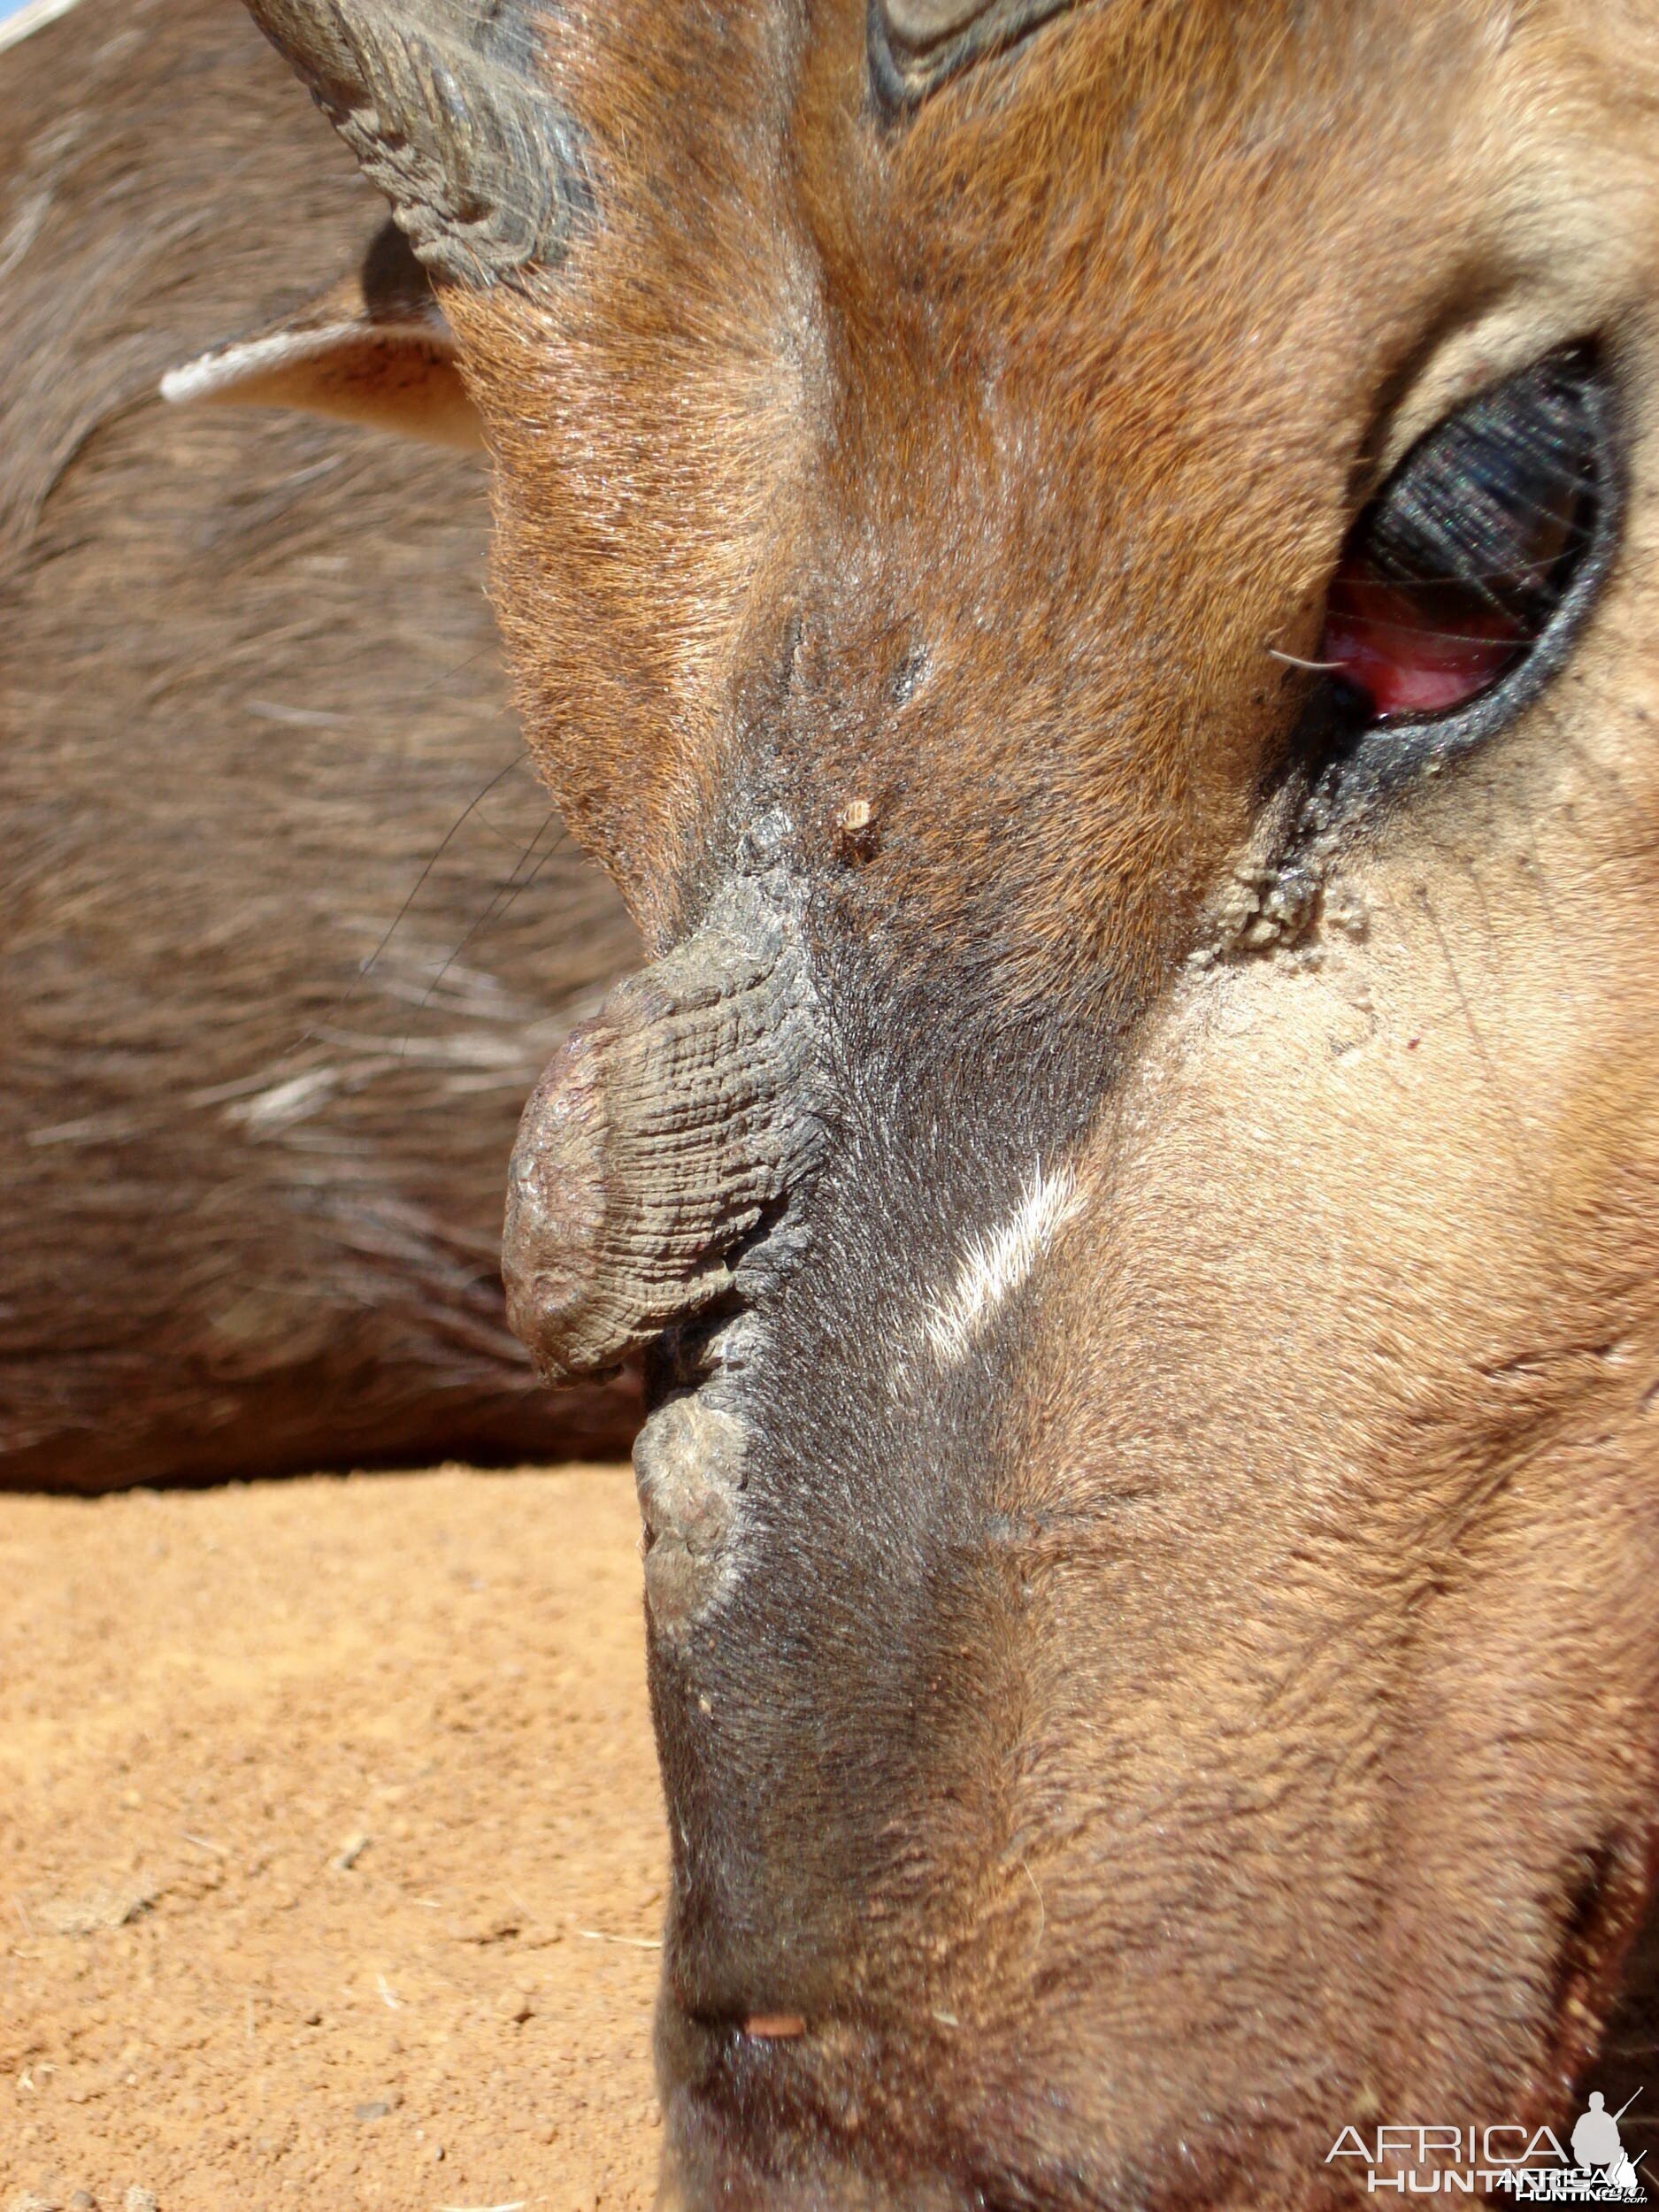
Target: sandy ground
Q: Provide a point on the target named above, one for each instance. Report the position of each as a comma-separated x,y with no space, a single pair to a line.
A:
331,1849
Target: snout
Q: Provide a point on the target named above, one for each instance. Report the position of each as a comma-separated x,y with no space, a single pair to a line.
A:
792,2115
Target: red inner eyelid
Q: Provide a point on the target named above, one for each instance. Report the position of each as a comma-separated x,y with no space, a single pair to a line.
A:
1459,564
1383,641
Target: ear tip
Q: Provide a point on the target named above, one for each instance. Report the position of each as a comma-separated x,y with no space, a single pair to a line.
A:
189,380
216,374
228,371
397,375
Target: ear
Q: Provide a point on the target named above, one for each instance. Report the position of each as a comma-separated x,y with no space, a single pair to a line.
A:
374,348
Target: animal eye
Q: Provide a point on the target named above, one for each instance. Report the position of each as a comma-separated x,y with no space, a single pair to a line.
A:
1467,558
915,45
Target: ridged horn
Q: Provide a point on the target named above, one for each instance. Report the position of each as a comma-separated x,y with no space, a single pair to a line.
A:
441,103
662,1136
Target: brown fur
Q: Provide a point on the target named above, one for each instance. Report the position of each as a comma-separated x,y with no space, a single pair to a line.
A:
248,688
1220,1702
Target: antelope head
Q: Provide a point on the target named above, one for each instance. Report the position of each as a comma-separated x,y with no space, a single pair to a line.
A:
1088,570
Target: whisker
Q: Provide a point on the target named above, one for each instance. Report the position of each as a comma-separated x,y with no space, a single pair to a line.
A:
367,966
504,897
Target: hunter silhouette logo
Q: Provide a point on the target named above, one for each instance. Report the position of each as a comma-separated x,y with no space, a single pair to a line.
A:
1502,2159
1597,2147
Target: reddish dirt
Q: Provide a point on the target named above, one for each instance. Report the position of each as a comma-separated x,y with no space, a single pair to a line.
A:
331,1847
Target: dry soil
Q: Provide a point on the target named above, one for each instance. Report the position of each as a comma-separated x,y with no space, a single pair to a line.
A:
331,1849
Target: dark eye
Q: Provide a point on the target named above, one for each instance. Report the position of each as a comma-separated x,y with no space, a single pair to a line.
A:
1479,545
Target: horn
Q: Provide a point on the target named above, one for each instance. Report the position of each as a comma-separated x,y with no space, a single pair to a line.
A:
441,103
661,1147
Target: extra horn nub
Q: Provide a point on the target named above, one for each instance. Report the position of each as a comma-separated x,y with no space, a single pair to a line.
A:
661,1137
441,103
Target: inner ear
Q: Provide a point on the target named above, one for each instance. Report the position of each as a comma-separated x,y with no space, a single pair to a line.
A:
373,348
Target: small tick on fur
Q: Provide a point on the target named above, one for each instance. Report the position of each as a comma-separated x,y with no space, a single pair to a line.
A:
856,835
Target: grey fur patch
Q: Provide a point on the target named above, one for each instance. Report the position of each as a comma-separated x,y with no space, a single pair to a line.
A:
254,1172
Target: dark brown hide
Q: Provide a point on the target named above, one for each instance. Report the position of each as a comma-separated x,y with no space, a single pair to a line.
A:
250,1203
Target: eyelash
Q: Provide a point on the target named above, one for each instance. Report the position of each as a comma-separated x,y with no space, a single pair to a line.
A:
1461,586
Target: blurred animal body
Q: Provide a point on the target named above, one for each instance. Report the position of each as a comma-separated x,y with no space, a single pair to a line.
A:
288,929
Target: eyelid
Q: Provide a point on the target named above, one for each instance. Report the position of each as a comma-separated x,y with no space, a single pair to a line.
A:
1476,358
1381,757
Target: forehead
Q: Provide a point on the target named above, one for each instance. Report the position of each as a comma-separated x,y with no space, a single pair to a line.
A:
1128,140
1075,90
1108,197
924,363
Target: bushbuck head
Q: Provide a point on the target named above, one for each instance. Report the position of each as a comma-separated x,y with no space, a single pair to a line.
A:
1088,570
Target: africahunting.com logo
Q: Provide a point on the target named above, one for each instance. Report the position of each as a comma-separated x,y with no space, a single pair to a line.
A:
1468,2161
